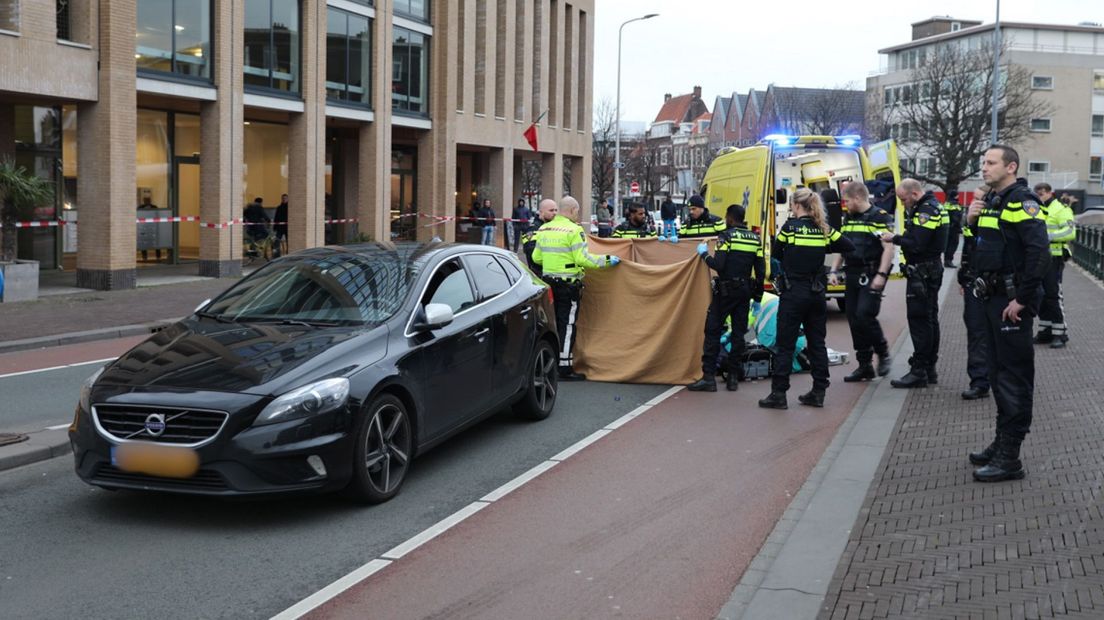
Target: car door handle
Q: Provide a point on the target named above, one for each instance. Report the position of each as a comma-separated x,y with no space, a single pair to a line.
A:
525,312
479,335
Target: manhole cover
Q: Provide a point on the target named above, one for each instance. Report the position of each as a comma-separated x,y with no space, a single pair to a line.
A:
8,438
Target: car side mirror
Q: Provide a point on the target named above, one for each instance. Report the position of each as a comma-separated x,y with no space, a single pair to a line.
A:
780,196
433,316
202,305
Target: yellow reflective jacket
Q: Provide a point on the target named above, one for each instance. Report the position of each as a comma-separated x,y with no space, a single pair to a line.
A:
1059,220
561,250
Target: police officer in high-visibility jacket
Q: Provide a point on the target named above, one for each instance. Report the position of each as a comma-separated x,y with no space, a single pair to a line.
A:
701,223
561,251
952,212
635,225
739,252
547,210
800,247
923,243
1010,259
1060,231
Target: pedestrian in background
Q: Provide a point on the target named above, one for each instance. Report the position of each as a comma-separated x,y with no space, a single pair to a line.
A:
923,243
953,213
280,226
561,251
800,247
604,216
487,220
739,253
973,315
1060,231
667,214
1010,259
523,218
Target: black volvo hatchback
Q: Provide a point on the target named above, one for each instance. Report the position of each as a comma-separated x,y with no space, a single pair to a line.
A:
325,370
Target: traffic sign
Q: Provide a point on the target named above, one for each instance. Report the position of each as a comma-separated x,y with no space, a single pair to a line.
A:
618,164
634,188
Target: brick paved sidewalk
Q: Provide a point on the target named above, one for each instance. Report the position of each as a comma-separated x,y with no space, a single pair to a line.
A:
932,543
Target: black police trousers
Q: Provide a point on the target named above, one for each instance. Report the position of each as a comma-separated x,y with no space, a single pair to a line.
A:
1011,367
565,303
1051,313
953,233
863,305
723,307
800,306
977,344
922,310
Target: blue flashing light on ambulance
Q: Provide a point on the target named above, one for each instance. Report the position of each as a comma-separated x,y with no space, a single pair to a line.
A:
763,176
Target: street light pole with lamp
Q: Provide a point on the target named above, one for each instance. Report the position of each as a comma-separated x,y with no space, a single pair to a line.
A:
617,121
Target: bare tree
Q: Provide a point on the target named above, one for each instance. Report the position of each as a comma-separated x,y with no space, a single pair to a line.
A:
647,165
603,147
944,114
816,111
531,177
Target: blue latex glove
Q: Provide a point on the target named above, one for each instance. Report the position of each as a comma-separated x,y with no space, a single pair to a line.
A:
674,239
703,249
614,260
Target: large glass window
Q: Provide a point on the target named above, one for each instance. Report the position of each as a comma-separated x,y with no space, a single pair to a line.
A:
272,44
174,36
410,71
413,8
9,15
348,60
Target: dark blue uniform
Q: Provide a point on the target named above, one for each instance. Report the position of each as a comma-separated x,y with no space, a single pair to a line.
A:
739,253
923,243
860,266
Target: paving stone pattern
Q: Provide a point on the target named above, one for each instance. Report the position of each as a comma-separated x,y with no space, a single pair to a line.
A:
932,543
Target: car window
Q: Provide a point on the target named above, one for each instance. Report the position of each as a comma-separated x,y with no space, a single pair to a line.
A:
450,286
490,277
511,269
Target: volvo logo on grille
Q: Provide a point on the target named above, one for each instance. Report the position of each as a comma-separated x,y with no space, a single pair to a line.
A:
155,424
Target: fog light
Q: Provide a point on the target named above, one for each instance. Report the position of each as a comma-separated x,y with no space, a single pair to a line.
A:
317,465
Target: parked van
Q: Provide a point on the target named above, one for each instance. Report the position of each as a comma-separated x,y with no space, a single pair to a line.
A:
762,177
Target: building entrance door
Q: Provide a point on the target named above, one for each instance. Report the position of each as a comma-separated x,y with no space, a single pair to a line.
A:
186,204
404,201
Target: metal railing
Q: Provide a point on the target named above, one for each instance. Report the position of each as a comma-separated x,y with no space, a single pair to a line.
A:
1088,249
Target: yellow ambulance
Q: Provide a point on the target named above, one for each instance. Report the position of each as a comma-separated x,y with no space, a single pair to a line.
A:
762,178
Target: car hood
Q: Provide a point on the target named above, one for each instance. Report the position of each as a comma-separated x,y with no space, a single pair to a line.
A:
256,358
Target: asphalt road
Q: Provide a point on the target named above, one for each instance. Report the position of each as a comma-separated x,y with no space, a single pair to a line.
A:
69,550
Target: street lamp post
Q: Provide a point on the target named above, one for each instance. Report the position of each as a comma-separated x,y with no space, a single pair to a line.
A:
617,121
996,76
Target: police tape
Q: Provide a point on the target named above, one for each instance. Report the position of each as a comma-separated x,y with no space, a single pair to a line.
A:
170,220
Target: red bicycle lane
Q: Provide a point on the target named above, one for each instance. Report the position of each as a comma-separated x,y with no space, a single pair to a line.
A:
54,357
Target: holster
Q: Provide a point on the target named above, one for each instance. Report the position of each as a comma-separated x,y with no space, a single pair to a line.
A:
728,287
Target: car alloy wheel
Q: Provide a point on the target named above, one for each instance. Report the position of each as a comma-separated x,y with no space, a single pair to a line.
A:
383,451
539,396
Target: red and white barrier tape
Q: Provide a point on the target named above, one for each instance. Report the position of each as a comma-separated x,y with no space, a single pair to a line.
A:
171,220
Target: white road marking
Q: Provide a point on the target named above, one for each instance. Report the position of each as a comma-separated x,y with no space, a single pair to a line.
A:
331,591
31,372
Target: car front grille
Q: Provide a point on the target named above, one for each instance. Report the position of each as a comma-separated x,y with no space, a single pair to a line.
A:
203,480
184,427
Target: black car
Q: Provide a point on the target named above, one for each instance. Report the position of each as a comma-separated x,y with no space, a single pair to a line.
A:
328,369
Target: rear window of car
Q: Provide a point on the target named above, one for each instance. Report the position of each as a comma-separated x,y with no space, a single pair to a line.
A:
490,276
511,268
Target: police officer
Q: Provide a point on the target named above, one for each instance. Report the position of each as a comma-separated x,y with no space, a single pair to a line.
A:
547,210
866,272
561,251
739,252
1060,231
952,212
800,248
635,225
924,241
1010,259
702,223
973,315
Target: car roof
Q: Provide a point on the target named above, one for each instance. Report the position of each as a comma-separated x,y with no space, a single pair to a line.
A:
414,252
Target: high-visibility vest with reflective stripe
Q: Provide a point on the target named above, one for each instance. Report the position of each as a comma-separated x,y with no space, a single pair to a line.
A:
561,250
1060,231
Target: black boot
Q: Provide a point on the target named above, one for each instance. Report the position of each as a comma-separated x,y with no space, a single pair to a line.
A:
1059,342
975,393
986,455
567,374
933,377
705,384
775,400
864,372
1005,464
914,379
812,398
884,364
1045,336
732,382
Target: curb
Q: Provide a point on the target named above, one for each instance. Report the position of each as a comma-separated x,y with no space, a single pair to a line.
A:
105,333
40,446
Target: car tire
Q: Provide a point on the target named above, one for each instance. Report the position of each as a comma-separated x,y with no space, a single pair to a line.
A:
382,452
541,384
841,303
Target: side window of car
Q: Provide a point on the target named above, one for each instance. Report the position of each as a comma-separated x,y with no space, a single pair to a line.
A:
490,277
512,269
450,286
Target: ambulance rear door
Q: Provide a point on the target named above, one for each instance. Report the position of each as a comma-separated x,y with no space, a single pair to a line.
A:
882,163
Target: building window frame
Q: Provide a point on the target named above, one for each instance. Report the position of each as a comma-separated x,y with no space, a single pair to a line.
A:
207,52
296,77
1038,167
1042,82
401,74
1098,81
1096,126
366,61
404,8
1095,161
1037,125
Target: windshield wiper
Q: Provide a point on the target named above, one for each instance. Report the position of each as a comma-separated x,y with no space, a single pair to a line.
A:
285,321
211,315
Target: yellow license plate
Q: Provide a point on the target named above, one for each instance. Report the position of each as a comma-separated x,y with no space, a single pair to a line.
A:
155,460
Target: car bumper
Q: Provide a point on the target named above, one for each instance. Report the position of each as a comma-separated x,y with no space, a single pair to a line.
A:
254,461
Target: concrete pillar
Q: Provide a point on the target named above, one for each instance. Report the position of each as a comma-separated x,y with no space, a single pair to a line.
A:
540,74
501,179
519,182
106,131
437,147
7,131
552,171
221,135
580,185
307,137
374,193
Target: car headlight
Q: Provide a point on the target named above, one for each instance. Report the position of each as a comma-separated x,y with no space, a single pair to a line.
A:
86,389
313,399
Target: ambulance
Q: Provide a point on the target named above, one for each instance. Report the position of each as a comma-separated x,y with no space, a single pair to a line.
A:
763,177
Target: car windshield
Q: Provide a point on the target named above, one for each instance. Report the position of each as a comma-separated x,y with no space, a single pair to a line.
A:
337,289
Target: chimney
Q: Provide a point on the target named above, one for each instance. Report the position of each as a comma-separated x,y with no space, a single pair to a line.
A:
697,92
666,97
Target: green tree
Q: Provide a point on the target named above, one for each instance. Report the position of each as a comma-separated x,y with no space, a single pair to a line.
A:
20,193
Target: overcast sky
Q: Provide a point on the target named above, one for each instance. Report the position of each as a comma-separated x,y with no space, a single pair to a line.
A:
735,45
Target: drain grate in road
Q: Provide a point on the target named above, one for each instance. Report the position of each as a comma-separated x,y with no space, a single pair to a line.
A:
10,438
